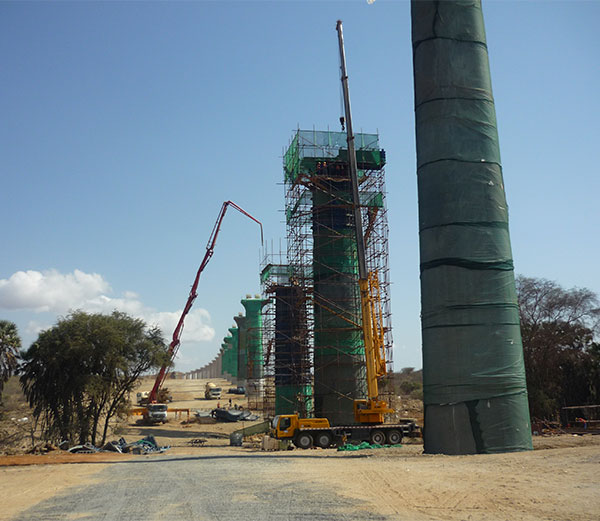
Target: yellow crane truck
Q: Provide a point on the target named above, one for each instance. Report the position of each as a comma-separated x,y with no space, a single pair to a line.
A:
368,413
317,432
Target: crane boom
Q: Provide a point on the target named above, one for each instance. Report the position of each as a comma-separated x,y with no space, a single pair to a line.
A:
174,345
372,409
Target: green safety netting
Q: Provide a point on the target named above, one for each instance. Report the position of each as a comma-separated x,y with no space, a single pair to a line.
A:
318,160
474,380
309,147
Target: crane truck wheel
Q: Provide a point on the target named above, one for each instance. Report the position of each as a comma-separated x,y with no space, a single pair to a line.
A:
378,437
394,437
303,441
323,440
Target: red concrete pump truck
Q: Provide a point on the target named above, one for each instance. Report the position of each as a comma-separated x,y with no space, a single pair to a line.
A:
158,394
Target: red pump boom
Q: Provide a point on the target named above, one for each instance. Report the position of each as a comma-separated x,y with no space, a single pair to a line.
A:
174,345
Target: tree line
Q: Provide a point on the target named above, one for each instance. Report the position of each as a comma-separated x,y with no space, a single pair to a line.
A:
561,345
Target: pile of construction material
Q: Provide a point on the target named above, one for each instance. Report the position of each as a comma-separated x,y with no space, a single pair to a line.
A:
146,445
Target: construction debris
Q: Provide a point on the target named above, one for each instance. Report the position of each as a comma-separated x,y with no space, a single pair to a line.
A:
365,445
233,415
146,445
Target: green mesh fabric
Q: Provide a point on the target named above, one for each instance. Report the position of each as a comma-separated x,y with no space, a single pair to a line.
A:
474,380
339,348
309,147
293,399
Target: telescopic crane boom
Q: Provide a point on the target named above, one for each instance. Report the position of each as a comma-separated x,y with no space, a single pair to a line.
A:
372,409
368,414
174,345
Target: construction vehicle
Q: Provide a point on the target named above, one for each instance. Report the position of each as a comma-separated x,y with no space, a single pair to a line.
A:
142,397
155,413
155,394
164,396
212,392
240,389
368,413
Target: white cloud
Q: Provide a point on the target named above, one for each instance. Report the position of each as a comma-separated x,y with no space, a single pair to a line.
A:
54,292
195,328
50,290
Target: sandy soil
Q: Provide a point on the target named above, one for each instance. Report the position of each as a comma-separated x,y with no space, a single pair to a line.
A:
557,481
27,486
546,484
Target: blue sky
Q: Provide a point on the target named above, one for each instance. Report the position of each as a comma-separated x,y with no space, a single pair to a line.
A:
126,125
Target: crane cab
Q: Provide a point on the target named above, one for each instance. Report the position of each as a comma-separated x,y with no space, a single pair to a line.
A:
287,426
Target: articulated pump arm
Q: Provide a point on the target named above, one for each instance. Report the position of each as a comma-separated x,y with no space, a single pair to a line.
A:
174,345
372,409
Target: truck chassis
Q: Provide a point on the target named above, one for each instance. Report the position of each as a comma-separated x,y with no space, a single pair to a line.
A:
324,437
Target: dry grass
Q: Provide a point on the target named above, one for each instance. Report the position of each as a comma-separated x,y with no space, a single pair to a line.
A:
18,432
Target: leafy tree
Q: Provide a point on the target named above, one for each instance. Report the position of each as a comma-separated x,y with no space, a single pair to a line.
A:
560,329
77,375
408,382
10,343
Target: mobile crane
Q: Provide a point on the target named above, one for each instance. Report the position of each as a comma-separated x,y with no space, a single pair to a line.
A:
157,394
368,413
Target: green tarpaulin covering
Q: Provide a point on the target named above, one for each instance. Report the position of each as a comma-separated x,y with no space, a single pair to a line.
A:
474,379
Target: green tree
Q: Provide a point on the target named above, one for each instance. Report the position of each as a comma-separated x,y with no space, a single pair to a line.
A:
10,343
560,329
77,375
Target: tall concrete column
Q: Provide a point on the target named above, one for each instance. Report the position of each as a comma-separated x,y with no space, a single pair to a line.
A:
292,374
220,363
254,347
338,349
242,334
474,379
232,342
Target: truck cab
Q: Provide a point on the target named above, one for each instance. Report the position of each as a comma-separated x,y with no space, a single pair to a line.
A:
156,413
301,430
212,392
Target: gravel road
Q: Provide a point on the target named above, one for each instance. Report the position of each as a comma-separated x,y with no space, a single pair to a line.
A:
185,487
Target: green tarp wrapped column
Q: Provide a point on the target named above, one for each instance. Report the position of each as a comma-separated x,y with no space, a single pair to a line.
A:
338,349
474,379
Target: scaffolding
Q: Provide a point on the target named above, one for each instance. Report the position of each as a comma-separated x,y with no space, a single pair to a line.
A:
314,355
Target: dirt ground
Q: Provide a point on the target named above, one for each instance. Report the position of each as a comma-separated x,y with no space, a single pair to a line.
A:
16,421
559,480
